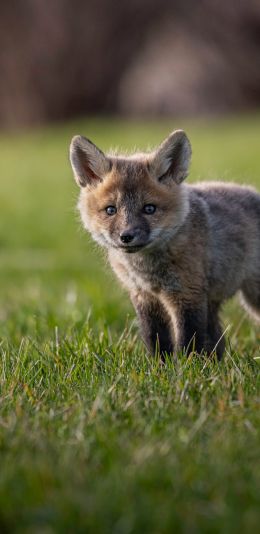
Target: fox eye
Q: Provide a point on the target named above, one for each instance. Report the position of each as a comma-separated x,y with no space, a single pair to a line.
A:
111,210
149,209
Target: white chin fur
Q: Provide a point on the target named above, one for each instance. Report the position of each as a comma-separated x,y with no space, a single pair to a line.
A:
100,239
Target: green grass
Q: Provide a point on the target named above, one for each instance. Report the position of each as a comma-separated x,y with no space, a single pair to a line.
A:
94,435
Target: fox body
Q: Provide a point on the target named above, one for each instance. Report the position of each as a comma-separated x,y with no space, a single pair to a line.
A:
180,250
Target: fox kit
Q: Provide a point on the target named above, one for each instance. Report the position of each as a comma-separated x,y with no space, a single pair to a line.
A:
180,250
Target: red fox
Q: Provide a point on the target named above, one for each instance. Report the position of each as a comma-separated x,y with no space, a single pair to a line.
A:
180,250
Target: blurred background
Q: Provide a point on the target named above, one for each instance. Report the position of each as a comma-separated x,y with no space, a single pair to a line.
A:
62,59
124,73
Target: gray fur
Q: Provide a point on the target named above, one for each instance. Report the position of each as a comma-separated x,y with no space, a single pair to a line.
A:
201,246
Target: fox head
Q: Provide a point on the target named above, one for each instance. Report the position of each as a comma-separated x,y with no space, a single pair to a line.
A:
132,202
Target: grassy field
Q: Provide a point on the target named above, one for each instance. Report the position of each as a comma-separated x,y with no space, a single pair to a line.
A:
94,435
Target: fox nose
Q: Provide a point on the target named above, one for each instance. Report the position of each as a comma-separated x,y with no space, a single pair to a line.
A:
127,236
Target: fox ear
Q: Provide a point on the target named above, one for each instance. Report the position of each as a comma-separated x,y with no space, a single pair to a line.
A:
171,160
89,164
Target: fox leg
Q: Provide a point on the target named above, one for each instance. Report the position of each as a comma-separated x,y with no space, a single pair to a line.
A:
216,340
194,329
198,328
154,322
251,298
191,328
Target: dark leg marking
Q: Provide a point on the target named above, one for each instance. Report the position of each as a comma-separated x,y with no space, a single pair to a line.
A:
194,329
216,340
251,296
155,324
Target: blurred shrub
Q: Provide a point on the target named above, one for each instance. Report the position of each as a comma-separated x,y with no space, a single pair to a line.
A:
61,58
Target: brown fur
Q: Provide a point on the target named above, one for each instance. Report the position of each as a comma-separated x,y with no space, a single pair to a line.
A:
199,247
